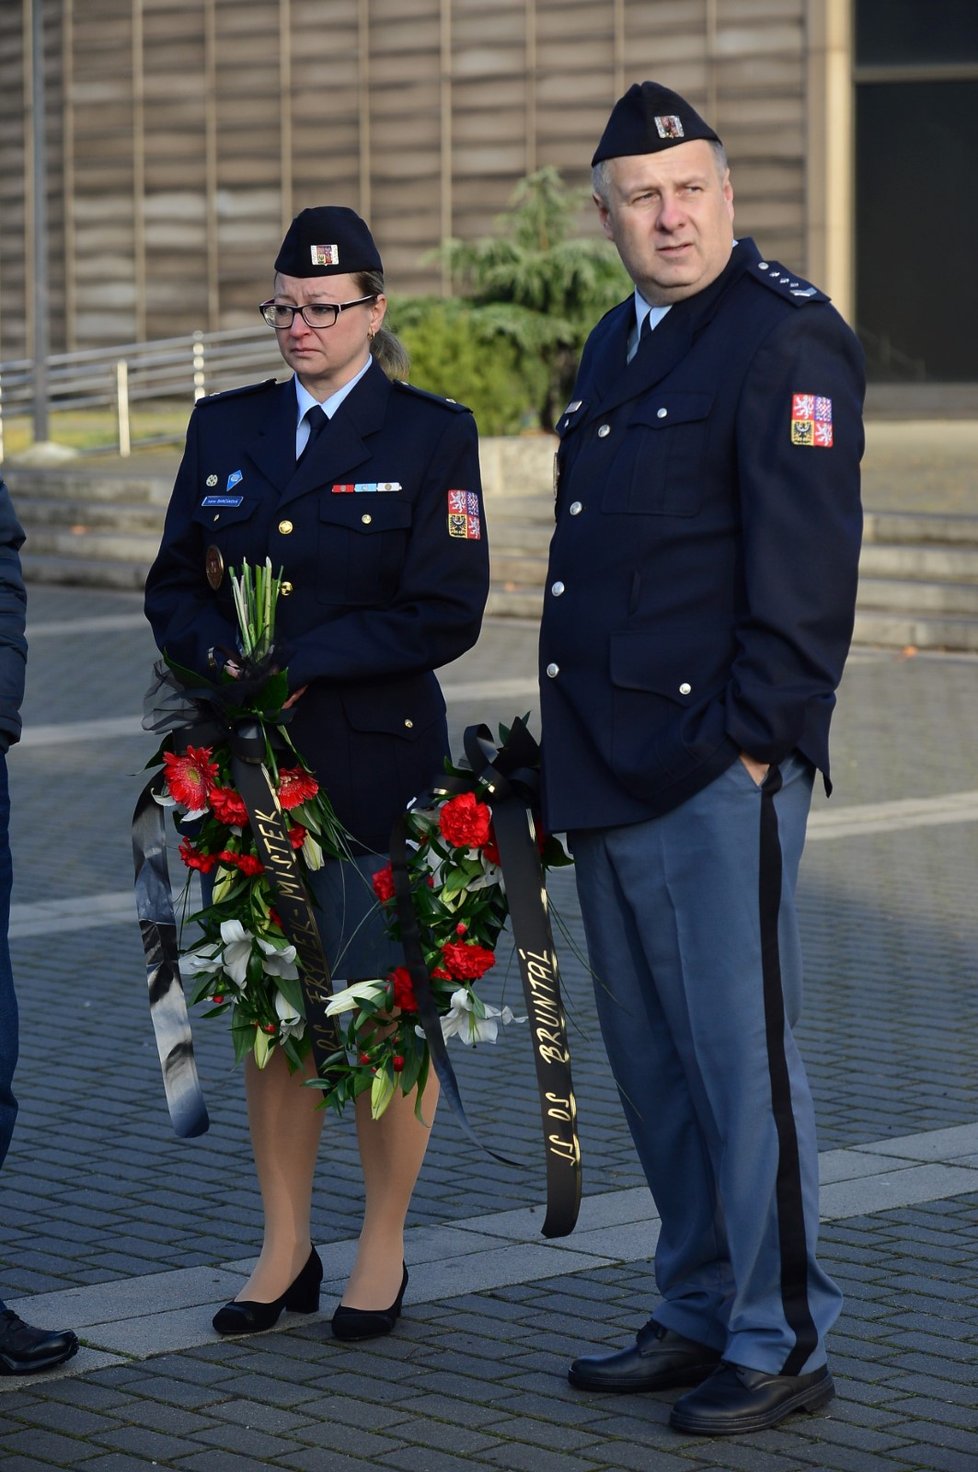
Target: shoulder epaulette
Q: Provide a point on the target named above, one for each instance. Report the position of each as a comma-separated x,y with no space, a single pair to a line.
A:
422,393
793,288
233,393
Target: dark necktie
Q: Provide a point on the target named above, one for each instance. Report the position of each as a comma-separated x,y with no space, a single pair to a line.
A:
643,336
317,420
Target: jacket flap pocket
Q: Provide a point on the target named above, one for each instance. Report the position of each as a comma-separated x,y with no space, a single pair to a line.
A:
366,513
662,410
639,662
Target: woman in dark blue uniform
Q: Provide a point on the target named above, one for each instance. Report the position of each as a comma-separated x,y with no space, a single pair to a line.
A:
366,492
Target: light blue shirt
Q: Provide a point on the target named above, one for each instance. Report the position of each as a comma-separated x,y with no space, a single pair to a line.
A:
305,401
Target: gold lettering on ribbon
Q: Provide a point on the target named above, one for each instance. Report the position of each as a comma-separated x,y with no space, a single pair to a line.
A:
543,997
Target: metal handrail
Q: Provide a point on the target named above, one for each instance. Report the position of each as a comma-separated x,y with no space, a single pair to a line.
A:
171,368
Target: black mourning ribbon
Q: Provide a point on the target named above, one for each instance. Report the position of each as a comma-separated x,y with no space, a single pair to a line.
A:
511,773
205,716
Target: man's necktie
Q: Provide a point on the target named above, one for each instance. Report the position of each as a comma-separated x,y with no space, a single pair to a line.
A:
317,420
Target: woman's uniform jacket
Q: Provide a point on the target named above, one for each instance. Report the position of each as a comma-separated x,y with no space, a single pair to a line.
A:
379,535
702,579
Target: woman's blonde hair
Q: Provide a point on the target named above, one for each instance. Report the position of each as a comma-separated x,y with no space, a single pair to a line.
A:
385,346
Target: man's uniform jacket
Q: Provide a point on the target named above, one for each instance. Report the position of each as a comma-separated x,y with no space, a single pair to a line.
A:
380,538
702,579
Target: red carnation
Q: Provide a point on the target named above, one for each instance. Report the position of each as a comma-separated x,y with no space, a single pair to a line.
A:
246,863
383,883
228,806
397,1063
295,786
404,990
297,835
491,849
465,822
194,859
467,962
190,776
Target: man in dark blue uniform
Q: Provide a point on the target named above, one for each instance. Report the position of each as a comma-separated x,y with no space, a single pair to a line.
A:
23,1349
698,615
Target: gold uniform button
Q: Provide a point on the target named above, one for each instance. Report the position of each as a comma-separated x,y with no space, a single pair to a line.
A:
285,527
366,518
286,590
409,723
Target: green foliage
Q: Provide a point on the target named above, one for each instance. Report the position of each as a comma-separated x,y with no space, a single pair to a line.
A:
458,350
528,297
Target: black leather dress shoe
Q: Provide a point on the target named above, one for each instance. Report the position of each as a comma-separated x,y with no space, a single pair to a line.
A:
659,1359
25,1350
736,1399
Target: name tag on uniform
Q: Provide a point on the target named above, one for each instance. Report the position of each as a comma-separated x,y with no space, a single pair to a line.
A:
222,501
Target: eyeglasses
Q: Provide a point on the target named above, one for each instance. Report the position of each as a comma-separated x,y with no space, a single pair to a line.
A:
313,314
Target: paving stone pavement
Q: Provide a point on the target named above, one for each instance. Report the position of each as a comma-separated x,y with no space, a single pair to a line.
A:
109,1223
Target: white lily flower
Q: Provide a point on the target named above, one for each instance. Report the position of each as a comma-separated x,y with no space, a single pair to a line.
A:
199,961
312,851
292,1023
237,949
350,996
462,1021
278,961
164,799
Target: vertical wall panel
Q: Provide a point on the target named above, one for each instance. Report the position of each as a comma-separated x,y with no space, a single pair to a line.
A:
183,134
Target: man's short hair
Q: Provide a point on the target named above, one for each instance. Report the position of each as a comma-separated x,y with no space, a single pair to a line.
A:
600,181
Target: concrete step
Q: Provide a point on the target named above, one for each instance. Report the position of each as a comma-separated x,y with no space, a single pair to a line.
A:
523,568
84,572
515,602
92,483
141,517
904,631
929,563
919,526
911,596
87,544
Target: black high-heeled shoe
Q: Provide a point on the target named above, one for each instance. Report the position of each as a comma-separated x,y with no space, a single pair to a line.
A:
368,1323
245,1316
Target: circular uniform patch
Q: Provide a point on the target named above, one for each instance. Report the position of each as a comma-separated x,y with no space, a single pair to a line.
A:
214,567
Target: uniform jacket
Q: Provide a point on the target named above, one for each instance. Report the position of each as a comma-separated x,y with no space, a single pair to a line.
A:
386,567
13,607
702,579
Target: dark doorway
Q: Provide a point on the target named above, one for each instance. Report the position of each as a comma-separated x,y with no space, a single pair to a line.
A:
916,203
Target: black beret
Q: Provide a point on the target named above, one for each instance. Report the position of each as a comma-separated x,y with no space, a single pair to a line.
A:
329,240
647,119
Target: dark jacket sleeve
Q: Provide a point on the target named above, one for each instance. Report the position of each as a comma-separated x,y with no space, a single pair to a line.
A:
13,616
801,528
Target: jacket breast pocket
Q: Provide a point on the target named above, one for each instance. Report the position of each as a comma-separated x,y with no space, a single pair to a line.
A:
658,469
363,541
232,529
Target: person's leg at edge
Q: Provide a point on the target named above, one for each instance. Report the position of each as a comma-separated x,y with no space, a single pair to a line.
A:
392,1150
8,1000
285,1122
